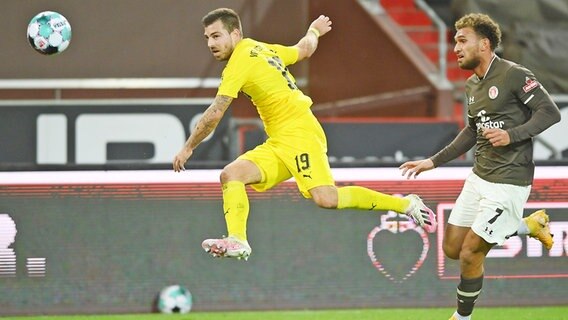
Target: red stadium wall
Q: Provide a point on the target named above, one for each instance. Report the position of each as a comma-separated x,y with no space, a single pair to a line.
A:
149,39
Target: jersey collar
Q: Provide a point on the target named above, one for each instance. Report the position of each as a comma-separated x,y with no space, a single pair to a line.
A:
488,68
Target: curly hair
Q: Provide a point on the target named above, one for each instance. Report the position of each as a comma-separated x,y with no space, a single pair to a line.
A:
228,17
483,26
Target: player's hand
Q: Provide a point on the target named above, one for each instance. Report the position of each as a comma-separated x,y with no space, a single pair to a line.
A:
411,169
181,158
322,24
497,137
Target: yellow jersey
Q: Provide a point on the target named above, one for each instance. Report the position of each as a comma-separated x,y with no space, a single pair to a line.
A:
260,72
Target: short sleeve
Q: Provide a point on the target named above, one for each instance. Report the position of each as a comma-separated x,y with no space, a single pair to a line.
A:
288,54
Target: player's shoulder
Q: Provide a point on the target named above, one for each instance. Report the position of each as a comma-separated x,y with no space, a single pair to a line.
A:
517,76
512,68
246,45
250,48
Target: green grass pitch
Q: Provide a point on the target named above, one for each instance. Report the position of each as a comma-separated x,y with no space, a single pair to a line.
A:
520,313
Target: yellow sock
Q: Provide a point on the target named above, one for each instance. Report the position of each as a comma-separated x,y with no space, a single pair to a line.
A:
354,197
236,208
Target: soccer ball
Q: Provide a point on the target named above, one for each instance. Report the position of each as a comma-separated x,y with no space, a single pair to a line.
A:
49,33
175,299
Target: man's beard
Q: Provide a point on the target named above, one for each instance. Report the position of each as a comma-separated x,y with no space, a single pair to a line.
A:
470,64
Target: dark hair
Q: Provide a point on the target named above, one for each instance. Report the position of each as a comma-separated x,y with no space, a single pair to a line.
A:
228,17
483,26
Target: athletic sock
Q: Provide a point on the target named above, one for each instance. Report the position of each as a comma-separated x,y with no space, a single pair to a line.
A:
458,316
236,208
523,228
354,197
467,293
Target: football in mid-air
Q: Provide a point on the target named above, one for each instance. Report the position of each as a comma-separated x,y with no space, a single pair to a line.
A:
49,33
175,299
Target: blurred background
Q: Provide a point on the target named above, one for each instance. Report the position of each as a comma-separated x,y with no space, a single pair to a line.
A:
387,70
138,74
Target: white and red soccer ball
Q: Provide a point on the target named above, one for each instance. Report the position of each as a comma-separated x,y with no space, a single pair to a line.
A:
49,33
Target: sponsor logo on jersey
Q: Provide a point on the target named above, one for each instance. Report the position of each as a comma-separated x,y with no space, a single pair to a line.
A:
530,84
493,92
486,123
470,100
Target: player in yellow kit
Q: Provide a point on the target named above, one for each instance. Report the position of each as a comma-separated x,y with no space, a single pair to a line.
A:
296,145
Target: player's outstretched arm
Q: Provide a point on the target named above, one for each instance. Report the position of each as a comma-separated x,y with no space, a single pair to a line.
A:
208,122
411,169
309,43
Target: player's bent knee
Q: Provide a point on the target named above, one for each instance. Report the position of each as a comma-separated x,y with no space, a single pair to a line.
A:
225,176
230,173
452,252
325,202
325,197
467,257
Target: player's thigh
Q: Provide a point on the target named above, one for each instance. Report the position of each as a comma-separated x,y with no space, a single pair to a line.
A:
242,170
454,237
474,246
472,255
271,168
307,161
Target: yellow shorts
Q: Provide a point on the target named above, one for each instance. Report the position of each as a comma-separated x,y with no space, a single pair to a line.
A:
300,151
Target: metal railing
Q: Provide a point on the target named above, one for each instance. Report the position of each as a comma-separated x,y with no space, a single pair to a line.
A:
442,37
57,85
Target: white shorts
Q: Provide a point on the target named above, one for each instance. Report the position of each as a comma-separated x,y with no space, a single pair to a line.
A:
492,210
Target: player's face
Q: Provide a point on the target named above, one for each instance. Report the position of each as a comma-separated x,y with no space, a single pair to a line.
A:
221,43
468,48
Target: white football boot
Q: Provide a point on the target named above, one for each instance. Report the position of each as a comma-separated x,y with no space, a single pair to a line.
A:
228,247
421,214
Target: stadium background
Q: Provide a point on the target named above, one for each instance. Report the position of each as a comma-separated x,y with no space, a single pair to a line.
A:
91,222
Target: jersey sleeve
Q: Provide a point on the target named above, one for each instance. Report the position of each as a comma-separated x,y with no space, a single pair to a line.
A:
288,54
234,76
524,84
544,112
464,141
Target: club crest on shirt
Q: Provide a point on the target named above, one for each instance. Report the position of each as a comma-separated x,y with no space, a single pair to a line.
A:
530,84
493,92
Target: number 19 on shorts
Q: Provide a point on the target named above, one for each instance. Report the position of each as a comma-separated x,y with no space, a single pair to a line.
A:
302,162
